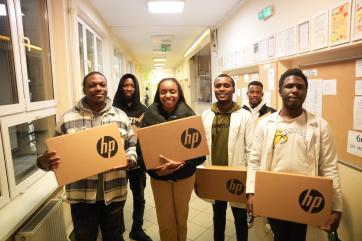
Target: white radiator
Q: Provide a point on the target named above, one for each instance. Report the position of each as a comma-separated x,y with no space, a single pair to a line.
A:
46,225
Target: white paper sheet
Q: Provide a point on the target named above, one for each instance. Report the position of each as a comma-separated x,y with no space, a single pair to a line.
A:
329,87
359,68
303,36
357,113
246,78
354,145
271,79
291,41
280,44
319,31
313,102
263,45
358,87
271,47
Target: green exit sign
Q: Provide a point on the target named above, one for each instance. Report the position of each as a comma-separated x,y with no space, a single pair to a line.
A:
265,13
165,47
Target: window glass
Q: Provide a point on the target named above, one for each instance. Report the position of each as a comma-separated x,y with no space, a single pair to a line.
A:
81,50
37,49
27,141
99,55
8,90
90,51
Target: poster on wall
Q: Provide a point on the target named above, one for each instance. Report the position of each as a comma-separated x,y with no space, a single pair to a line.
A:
291,41
340,20
303,37
280,44
319,31
357,20
271,46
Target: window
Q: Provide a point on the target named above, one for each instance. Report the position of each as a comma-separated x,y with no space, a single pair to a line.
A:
90,49
117,66
23,142
26,93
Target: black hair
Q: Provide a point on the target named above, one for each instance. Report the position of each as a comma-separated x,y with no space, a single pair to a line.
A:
226,76
90,74
290,72
255,82
180,92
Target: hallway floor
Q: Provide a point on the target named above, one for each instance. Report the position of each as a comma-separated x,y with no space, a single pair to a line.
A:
200,225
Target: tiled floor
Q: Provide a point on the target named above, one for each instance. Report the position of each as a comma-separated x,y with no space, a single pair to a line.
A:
200,226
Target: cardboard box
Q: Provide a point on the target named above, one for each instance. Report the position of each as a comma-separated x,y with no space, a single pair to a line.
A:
222,183
87,153
293,197
179,140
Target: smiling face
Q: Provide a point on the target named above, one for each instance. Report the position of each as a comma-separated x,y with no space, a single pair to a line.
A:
128,89
224,89
169,95
293,93
95,90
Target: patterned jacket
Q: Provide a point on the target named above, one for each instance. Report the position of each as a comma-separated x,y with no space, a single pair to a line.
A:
114,181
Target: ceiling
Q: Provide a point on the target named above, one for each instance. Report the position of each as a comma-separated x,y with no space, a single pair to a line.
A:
140,30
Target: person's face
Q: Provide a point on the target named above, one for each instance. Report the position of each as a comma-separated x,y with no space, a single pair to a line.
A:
293,92
128,88
223,89
95,89
255,95
169,95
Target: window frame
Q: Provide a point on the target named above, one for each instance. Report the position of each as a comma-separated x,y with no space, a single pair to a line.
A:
20,106
4,191
6,122
38,104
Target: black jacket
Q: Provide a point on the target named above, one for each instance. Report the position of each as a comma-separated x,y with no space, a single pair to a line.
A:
156,115
263,110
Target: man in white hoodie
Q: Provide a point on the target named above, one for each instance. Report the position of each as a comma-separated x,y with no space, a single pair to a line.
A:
229,134
293,140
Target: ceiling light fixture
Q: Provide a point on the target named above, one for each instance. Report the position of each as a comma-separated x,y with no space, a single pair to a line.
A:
165,6
197,42
159,64
159,60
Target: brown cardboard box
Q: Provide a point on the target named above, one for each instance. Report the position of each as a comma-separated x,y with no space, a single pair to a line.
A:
222,183
86,153
177,140
293,197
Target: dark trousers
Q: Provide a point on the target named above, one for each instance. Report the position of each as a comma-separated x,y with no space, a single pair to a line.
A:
239,214
87,217
287,231
137,181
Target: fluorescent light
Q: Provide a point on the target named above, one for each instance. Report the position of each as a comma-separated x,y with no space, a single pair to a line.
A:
165,6
198,41
159,64
159,60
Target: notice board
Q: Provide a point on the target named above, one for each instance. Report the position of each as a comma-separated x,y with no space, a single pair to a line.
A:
338,109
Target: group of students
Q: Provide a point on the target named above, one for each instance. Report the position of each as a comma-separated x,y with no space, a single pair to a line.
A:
98,201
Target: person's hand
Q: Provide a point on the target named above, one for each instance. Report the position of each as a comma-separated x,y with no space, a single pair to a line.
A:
130,165
333,222
168,167
250,203
49,161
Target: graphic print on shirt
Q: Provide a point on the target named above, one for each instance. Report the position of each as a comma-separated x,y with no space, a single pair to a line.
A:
281,136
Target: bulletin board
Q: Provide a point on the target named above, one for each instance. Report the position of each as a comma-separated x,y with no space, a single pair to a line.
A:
338,109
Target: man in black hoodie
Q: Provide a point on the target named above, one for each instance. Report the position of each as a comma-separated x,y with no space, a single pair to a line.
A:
127,98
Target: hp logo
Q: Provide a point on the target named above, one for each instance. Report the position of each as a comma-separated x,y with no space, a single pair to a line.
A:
235,186
311,201
191,138
107,146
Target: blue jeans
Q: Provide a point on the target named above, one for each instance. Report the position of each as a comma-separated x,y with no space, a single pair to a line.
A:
285,230
240,221
87,217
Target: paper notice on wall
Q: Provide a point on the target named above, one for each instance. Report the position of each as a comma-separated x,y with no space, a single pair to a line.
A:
358,87
267,98
329,87
291,41
244,97
357,113
359,68
354,145
271,79
313,101
246,78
